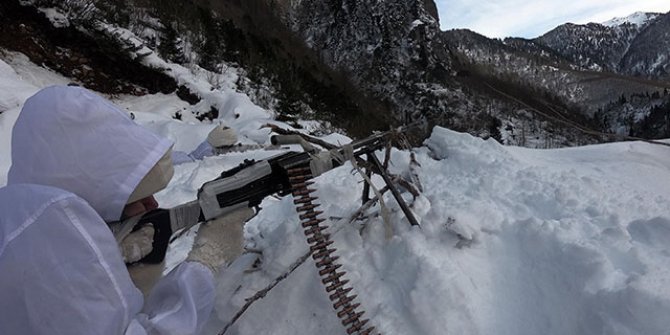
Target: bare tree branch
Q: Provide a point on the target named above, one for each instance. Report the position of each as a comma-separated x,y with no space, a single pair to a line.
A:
261,294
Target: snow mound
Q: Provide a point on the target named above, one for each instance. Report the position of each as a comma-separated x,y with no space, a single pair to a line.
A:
512,241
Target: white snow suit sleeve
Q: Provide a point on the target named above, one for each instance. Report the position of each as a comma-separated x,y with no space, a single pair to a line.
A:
62,273
203,150
76,159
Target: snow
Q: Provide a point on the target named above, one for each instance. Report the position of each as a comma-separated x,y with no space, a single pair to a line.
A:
57,19
638,19
416,23
512,240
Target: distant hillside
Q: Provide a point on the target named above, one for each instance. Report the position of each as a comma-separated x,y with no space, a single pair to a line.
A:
584,68
637,45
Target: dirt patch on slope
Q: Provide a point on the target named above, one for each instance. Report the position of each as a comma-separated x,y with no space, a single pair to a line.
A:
93,61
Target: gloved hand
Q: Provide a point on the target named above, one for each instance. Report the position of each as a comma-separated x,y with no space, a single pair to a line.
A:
222,136
220,241
137,244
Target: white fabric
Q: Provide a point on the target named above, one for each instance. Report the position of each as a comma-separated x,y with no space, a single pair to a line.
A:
61,270
155,180
220,241
222,136
137,244
71,138
203,150
62,273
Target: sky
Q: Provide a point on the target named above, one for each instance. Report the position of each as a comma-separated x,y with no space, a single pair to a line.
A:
529,19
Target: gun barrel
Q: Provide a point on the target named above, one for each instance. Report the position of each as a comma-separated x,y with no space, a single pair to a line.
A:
292,139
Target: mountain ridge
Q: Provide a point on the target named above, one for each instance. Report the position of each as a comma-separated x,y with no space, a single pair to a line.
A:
616,47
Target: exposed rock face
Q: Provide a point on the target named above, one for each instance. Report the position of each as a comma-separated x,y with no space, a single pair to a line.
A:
649,53
592,46
394,51
387,47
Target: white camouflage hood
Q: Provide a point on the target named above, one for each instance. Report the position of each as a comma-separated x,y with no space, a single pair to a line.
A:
73,139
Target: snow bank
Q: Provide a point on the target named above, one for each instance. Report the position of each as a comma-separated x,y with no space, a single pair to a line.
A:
513,241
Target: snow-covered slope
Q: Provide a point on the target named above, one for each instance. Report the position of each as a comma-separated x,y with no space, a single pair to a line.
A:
566,241
512,240
639,19
634,45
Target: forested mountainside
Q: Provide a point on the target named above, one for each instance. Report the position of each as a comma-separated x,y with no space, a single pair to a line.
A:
396,52
637,46
607,72
361,65
102,45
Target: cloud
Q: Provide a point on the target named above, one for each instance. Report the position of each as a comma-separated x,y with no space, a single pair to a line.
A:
503,18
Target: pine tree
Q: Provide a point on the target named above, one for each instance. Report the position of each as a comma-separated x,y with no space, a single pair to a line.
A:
210,50
170,46
622,99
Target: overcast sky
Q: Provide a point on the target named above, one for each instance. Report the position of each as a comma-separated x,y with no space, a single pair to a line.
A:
524,18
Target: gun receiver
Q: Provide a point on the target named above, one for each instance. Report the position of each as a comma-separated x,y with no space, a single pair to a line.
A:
250,182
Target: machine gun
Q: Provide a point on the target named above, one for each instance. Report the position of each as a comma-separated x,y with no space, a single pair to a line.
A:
289,173
253,180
